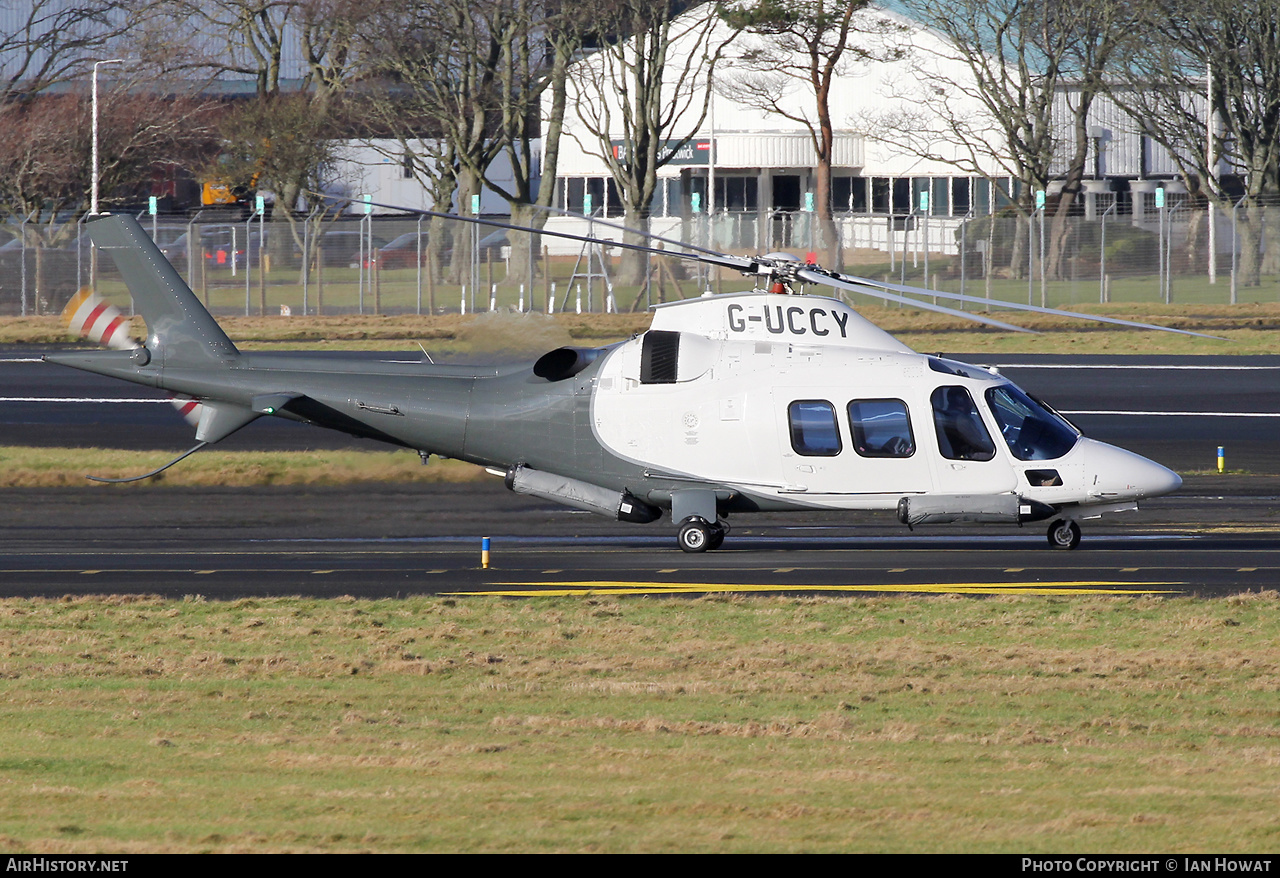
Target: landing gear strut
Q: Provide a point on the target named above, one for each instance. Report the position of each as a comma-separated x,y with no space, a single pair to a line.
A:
1064,534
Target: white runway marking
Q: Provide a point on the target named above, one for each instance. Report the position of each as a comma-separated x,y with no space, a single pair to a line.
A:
1133,366
76,399
1180,414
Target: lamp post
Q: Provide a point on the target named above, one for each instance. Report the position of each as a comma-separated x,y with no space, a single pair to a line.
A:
93,197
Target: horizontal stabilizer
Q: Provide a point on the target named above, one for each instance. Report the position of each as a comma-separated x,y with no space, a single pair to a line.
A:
218,420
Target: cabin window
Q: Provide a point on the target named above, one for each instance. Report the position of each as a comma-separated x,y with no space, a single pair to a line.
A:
1030,429
961,433
814,432
881,428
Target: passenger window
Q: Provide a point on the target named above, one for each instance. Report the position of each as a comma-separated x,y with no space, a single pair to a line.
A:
814,431
881,428
961,433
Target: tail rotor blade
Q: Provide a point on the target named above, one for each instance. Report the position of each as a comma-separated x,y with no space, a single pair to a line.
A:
189,408
90,316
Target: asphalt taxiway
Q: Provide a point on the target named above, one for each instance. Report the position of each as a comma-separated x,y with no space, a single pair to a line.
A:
1218,535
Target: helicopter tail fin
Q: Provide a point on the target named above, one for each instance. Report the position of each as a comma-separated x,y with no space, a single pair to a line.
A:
179,330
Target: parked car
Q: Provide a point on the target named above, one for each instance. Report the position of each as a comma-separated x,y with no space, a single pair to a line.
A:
176,250
401,252
220,247
343,246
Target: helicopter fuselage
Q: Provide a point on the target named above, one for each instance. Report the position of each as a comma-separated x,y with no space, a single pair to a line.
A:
727,404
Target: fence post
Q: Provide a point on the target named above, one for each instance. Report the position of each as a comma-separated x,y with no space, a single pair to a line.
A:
1102,258
418,241
1213,242
1235,246
1044,286
23,233
80,252
248,273
1031,255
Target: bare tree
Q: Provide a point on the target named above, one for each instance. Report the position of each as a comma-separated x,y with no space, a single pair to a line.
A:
1004,64
1204,82
805,45
439,61
529,98
50,43
45,149
54,42
219,37
643,94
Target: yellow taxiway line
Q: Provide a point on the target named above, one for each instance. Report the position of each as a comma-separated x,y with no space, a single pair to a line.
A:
577,589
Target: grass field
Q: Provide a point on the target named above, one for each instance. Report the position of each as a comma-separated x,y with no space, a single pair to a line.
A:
721,724
1239,329
25,467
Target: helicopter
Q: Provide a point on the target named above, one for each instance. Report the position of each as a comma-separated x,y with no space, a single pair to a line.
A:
767,400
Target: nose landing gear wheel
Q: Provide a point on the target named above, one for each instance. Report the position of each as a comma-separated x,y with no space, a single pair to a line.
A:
1064,534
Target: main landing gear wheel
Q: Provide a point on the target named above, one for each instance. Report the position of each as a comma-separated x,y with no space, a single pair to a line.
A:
718,533
699,535
1064,534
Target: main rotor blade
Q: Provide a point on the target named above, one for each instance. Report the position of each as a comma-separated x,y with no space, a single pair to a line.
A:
1016,306
735,263
752,266
856,285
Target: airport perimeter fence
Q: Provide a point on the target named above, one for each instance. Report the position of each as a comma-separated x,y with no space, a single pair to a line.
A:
410,265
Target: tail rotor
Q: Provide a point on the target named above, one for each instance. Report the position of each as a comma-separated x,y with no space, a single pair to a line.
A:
92,317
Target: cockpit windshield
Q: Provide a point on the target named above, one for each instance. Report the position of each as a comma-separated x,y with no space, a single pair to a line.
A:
1031,430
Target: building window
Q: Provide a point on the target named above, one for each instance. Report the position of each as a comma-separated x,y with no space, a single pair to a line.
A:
920,186
960,201
841,194
572,194
675,197
612,205
940,201
880,195
902,201
737,193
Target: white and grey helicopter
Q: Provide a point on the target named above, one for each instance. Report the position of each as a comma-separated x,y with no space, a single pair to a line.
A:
766,400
